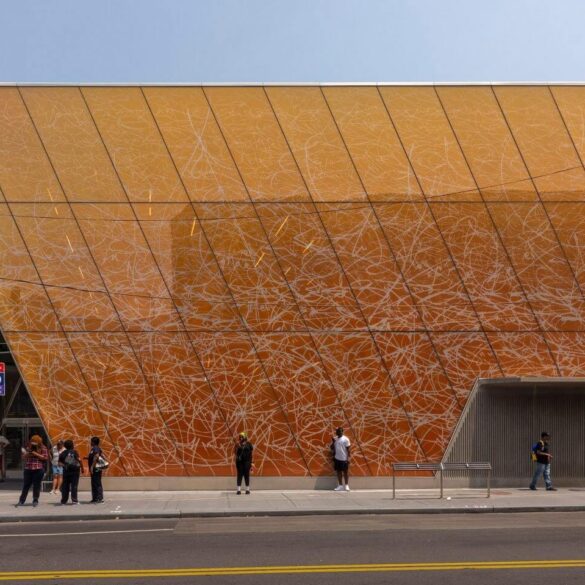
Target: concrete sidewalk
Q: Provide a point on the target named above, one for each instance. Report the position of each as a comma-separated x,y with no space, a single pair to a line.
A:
203,504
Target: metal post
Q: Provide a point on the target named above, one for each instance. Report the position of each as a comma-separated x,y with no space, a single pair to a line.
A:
441,477
394,484
489,481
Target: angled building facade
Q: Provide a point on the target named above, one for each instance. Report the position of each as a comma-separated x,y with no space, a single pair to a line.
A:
179,264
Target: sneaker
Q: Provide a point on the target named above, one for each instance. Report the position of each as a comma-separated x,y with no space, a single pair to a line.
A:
347,488
532,488
75,503
552,489
339,488
239,492
247,492
35,504
18,504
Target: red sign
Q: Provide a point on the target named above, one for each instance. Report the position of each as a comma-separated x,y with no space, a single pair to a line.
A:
2,380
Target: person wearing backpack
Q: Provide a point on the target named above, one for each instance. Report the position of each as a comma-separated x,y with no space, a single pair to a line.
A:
96,463
542,458
72,468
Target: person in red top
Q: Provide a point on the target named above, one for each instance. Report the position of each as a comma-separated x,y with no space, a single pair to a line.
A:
35,457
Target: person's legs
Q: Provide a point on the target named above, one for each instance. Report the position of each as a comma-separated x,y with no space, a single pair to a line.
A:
240,473
59,481
74,485
538,471
65,487
346,475
247,467
97,492
546,474
26,483
37,480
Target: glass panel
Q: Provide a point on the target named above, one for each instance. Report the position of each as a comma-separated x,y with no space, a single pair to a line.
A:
73,143
427,266
540,265
428,399
57,246
378,420
186,402
80,310
567,349
25,172
366,256
127,127
250,268
25,307
373,143
466,357
571,103
538,129
59,392
522,354
196,144
484,267
189,268
568,220
429,141
127,404
249,401
487,143
257,144
316,143
15,263
307,397
310,266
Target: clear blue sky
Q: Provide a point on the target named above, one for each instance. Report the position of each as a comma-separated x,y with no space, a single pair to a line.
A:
292,40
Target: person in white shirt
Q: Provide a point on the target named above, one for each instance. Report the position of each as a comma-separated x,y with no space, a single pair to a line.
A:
3,443
341,448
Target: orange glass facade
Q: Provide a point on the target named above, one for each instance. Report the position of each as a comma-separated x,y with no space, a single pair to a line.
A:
179,264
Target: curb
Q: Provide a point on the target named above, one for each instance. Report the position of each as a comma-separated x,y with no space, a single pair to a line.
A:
288,513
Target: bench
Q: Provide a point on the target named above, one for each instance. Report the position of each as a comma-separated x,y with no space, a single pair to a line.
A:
441,468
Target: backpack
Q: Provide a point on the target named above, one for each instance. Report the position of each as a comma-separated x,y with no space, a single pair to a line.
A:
71,462
535,448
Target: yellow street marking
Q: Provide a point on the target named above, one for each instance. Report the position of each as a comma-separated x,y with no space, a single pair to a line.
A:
292,569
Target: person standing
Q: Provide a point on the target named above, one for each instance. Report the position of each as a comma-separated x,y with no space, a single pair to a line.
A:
35,456
543,460
72,468
341,448
243,452
4,442
95,461
56,468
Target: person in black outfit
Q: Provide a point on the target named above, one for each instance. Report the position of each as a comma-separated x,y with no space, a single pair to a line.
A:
97,491
243,462
72,468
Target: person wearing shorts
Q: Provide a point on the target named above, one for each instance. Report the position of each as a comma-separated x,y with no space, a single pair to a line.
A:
341,448
56,468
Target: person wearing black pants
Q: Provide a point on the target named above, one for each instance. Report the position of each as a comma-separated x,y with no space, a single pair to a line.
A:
35,456
72,469
243,462
97,491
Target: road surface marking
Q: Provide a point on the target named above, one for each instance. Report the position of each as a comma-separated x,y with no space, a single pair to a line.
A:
81,533
227,571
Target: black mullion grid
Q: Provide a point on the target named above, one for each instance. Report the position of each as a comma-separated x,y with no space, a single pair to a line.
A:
542,203
438,357
68,203
345,276
494,225
123,187
279,264
228,288
429,207
67,341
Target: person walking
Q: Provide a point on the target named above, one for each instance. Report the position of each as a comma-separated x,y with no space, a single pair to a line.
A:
35,456
72,468
96,464
56,468
4,442
244,463
341,449
543,457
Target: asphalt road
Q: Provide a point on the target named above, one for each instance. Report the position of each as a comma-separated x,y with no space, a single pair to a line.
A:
419,549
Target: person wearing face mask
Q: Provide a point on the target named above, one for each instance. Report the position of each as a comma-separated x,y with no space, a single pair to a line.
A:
35,456
243,452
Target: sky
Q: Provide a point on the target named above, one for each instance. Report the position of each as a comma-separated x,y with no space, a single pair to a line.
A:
91,41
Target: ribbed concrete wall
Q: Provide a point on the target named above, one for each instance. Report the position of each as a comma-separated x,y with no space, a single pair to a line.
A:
505,418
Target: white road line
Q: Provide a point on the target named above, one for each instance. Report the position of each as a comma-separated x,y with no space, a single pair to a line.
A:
82,533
